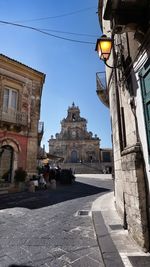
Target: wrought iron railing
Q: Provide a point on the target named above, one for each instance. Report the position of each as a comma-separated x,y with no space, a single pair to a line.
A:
102,88
14,117
41,127
101,80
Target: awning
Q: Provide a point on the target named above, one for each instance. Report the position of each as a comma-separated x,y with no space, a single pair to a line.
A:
45,161
51,157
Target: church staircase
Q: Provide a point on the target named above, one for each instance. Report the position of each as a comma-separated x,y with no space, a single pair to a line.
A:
85,168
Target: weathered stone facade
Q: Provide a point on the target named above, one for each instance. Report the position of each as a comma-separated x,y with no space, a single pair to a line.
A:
20,101
128,86
74,143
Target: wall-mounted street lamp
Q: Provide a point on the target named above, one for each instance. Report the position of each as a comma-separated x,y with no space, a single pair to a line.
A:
103,48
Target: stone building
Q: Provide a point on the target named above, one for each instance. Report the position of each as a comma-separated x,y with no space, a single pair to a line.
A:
75,144
127,93
20,129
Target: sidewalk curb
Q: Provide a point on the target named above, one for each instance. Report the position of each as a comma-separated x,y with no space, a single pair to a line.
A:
110,255
116,246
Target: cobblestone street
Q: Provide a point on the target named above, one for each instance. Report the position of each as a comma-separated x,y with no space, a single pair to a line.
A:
45,229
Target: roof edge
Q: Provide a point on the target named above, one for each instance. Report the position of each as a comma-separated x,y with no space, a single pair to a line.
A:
23,65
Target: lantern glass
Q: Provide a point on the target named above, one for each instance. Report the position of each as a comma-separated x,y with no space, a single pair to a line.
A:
99,50
103,47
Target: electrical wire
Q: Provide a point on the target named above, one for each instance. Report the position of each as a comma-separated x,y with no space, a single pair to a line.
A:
44,32
58,16
71,33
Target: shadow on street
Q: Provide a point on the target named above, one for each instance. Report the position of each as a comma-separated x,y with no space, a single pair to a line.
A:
14,265
44,198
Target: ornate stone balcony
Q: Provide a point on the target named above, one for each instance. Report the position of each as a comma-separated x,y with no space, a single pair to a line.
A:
15,118
102,88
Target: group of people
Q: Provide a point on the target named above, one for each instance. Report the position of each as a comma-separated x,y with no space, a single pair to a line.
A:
48,175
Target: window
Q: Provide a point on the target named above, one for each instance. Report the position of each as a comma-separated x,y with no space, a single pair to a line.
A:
73,117
10,99
106,157
74,134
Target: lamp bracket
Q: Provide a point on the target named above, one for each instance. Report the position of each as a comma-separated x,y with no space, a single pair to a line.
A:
111,67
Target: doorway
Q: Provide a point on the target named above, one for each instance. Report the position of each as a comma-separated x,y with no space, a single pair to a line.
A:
6,163
74,156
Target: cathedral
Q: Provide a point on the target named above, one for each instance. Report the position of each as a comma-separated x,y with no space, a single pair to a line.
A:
76,146
74,143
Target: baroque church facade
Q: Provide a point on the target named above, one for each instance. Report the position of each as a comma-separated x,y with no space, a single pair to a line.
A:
74,143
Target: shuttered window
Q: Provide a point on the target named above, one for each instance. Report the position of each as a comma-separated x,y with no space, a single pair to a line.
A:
10,99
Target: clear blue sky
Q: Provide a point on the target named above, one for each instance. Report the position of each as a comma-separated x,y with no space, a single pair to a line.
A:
70,67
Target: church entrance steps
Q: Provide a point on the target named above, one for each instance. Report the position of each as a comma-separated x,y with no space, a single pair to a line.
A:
83,167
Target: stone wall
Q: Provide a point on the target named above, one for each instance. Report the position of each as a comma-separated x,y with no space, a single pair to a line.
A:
135,198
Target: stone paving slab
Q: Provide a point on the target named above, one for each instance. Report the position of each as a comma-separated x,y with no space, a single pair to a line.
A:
140,261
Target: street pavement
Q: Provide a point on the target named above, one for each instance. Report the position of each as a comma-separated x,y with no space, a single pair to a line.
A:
72,226
51,228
